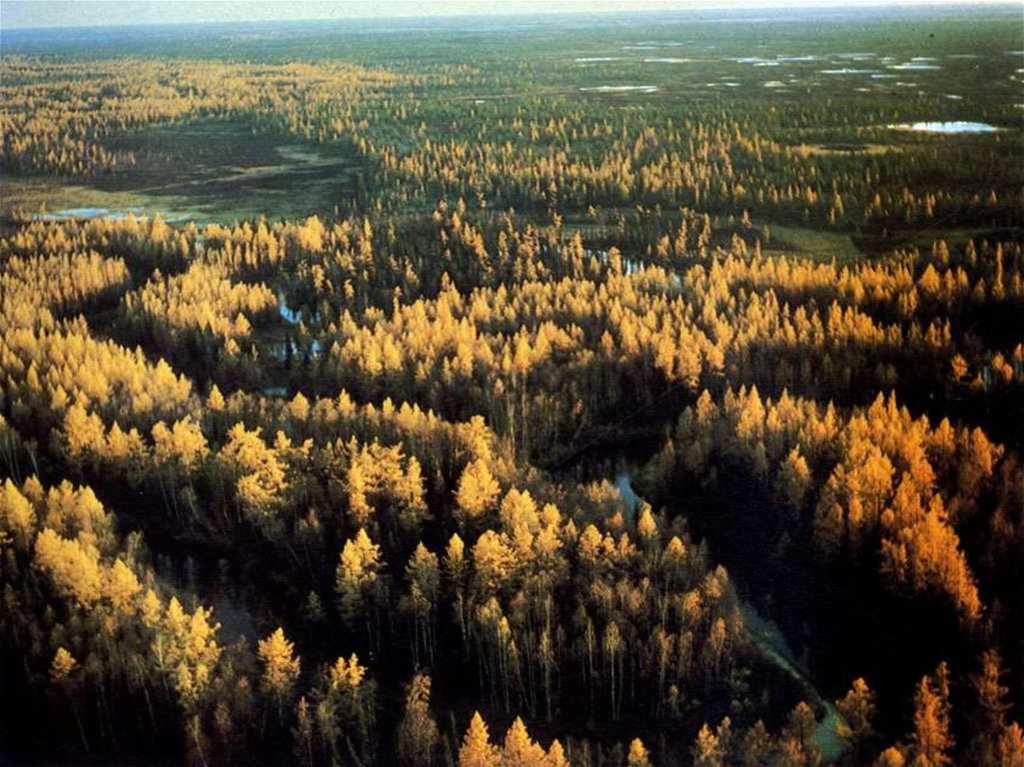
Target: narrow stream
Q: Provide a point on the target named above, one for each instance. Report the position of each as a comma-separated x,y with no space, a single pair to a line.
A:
769,639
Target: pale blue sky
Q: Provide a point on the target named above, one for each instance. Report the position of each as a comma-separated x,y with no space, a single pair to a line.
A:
71,13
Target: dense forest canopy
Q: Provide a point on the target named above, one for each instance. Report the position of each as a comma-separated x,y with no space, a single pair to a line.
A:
639,391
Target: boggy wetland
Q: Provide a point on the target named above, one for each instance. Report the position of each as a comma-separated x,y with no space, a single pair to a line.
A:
609,390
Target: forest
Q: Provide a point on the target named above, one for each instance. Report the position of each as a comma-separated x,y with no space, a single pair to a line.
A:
556,391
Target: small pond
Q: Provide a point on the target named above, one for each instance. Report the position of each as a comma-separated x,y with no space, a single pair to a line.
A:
955,126
209,579
70,214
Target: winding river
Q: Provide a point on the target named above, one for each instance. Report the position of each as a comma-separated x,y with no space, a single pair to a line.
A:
769,639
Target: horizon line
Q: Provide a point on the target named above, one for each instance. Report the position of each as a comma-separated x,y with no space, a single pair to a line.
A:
474,11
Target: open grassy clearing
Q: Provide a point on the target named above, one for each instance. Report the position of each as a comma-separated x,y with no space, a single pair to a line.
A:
813,243
204,171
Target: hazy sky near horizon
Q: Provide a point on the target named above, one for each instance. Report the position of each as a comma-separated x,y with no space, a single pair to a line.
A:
17,14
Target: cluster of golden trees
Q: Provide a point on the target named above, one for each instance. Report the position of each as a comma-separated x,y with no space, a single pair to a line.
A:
202,300
997,741
36,291
877,486
562,318
120,656
48,372
143,243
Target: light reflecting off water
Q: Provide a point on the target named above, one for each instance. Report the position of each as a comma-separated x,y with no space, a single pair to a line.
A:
915,67
955,126
620,88
70,214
